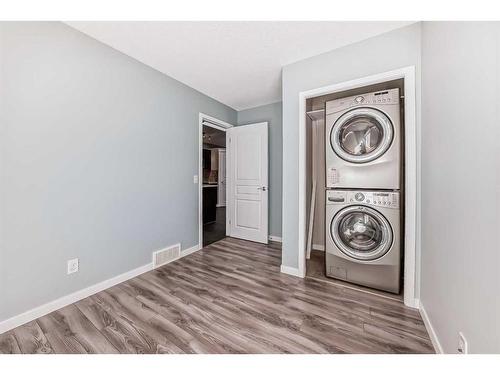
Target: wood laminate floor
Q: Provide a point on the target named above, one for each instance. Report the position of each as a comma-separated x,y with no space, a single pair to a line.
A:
215,231
229,297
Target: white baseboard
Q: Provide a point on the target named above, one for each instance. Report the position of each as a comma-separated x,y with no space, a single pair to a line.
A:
275,239
191,250
318,247
59,303
413,303
430,329
290,271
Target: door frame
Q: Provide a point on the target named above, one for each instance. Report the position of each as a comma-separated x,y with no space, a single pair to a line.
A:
412,172
220,125
222,151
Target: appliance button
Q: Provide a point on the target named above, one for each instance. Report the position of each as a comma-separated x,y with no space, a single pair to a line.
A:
359,99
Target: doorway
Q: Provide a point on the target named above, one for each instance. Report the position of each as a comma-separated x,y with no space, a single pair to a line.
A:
233,181
411,213
212,180
384,178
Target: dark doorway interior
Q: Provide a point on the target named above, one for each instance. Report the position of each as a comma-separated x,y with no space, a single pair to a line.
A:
214,180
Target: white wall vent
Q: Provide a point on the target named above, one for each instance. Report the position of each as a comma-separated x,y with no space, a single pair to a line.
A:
167,255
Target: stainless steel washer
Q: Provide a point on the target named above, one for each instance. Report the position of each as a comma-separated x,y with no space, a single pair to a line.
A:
363,141
363,238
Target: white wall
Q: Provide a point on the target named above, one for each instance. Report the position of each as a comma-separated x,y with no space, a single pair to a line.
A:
97,157
460,287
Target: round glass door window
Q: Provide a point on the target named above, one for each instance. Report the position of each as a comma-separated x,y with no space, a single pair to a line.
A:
361,233
361,135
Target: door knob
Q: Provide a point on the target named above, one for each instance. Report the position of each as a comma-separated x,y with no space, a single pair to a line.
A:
263,188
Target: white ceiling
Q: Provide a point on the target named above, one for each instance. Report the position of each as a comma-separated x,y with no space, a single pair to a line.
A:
237,63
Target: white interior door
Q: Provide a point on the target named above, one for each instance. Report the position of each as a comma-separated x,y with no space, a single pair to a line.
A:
247,183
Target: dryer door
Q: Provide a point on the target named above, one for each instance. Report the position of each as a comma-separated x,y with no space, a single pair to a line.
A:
361,135
361,233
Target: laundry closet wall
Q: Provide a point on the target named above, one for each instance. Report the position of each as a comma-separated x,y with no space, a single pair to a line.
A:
98,153
315,169
389,51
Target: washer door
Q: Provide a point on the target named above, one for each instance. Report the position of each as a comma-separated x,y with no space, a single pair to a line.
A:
361,135
361,233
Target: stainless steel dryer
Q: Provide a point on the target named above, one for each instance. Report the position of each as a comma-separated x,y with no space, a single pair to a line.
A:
363,238
363,141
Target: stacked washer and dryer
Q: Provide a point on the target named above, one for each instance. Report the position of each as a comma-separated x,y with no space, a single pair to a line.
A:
363,205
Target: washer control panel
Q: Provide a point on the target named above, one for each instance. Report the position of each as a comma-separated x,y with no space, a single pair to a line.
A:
388,199
374,98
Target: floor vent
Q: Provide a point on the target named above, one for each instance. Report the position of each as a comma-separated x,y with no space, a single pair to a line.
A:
167,255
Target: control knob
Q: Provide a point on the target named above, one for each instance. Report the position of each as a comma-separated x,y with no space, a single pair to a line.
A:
359,196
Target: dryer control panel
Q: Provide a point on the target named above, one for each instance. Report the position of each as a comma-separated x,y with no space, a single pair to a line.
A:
386,199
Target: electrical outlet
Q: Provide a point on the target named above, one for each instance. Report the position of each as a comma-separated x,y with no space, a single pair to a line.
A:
195,179
72,265
463,347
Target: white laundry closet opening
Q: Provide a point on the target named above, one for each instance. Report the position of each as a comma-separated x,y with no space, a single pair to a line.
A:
316,174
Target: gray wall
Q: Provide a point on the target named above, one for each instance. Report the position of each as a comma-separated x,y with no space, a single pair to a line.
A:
460,182
273,115
98,153
396,49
